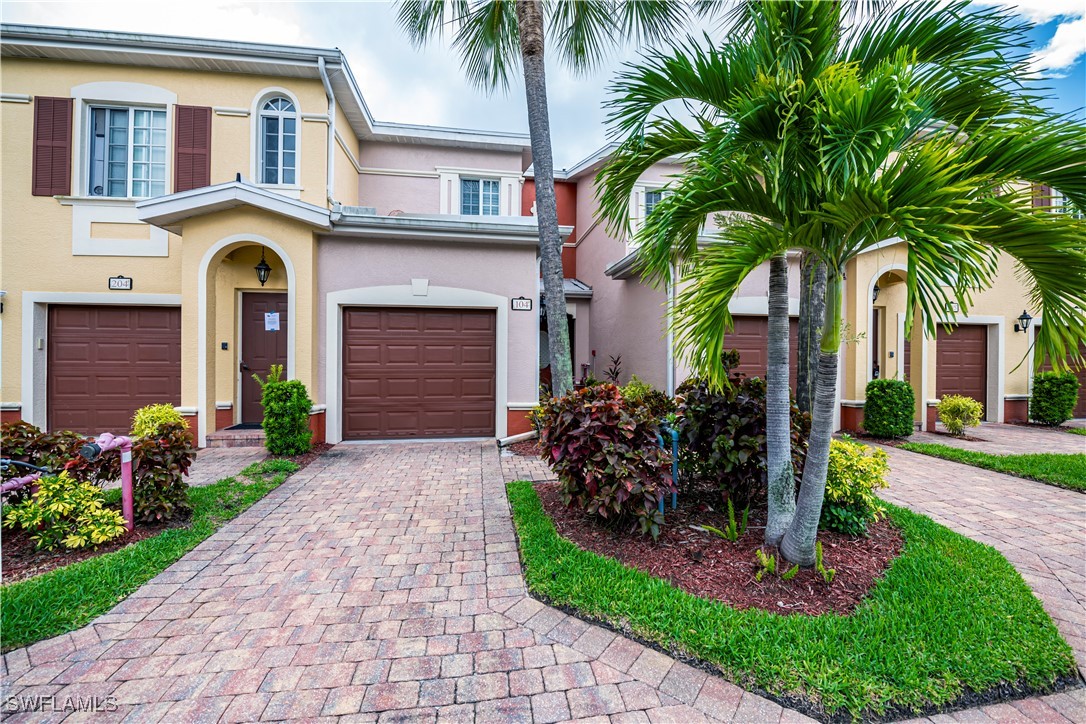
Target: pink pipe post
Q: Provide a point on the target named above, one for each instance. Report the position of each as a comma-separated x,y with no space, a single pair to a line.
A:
107,441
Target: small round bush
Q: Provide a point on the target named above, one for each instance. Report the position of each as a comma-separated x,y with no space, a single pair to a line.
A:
1055,395
149,419
959,412
855,472
889,408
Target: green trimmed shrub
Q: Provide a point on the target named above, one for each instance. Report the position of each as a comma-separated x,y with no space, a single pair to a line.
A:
722,437
606,455
65,512
150,418
855,472
889,408
959,412
286,414
1055,395
640,393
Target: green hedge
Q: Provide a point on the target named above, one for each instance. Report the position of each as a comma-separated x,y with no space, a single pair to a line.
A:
1055,395
889,408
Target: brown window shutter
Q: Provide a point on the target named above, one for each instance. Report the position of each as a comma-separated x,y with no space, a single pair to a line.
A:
1042,196
52,147
192,148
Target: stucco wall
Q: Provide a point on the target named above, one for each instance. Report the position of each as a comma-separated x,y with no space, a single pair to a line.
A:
404,177
508,271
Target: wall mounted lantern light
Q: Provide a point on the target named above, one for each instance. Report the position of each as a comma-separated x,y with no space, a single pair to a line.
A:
1023,322
263,271
875,292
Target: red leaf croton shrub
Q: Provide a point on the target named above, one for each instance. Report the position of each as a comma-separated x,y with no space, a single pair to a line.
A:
606,455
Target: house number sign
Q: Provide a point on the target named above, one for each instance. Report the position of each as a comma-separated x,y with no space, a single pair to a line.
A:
120,284
521,304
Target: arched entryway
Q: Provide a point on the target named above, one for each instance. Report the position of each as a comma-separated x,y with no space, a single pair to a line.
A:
244,328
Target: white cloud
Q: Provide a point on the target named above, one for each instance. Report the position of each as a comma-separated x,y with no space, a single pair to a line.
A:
1040,11
1067,45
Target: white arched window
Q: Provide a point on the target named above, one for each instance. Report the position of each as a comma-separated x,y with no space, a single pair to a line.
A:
278,141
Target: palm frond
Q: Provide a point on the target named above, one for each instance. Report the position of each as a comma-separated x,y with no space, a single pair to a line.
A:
488,40
424,20
582,32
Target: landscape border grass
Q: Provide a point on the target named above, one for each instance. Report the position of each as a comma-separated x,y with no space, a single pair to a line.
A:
1064,470
70,597
951,624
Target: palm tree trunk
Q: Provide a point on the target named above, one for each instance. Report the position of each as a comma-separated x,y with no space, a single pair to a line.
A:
778,422
812,313
798,544
530,25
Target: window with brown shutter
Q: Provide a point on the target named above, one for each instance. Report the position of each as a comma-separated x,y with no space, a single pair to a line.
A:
192,157
1042,195
52,147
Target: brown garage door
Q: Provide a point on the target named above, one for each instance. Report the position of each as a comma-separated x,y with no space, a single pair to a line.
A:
418,373
961,362
749,339
106,362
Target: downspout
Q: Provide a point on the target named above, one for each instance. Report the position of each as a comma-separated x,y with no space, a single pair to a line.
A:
670,333
330,183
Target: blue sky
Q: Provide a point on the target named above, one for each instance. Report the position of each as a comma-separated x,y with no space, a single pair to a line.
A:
408,85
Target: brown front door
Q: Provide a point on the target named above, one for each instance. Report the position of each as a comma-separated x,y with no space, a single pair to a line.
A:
749,339
106,362
418,373
961,362
260,347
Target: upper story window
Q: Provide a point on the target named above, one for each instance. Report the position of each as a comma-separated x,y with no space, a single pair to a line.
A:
278,141
480,197
127,152
651,199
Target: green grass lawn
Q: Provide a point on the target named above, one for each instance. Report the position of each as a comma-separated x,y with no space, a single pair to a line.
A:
1066,471
67,598
1076,430
951,616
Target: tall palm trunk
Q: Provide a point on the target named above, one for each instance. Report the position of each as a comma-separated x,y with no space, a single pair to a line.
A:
812,314
778,423
530,25
798,544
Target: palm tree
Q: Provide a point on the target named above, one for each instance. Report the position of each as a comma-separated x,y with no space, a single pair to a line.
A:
913,125
492,38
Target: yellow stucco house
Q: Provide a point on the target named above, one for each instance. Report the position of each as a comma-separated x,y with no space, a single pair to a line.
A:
179,214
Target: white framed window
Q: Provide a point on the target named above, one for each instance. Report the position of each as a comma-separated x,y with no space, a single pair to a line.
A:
651,199
480,197
278,159
1060,205
126,151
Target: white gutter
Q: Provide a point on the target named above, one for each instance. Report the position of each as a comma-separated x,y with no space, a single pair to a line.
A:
330,185
671,334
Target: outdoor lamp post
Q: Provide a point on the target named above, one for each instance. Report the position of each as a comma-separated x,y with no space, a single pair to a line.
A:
263,271
1023,322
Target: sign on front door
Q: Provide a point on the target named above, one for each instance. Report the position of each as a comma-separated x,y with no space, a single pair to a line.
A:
271,321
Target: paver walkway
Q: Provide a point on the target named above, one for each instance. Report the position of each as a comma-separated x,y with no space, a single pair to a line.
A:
1000,439
1040,528
214,464
380,583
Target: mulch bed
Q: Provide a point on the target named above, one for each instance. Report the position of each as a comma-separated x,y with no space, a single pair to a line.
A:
709,566
21,560
524,448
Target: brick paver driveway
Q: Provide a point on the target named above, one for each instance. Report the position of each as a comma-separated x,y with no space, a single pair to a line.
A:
999,439
382,582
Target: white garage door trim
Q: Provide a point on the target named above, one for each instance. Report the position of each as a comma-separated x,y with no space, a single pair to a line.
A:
36,325
405,296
